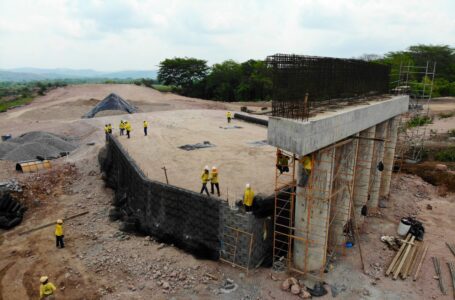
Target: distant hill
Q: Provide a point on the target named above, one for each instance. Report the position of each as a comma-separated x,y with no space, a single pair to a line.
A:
31,74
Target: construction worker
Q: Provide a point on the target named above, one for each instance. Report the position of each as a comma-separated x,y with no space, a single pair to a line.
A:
146,125
248,198
283,162
128,128
229,116
109,127
205,179
214,181
121,127
59,234
106,132
307,166
46,289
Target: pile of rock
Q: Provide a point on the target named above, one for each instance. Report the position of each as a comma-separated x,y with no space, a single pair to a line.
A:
297,288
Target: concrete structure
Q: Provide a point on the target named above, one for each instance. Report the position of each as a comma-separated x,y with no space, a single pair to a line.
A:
363,167
205,226
346,147
376,161
389,155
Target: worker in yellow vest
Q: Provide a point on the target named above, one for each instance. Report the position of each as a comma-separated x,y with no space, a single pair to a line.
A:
307,166
229,116
59,234
146,125
106,132
248,198
205,179
46,289
283,162
128,128
214,181
121,127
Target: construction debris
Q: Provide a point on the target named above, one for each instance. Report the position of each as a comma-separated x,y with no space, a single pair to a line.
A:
189,147
437,269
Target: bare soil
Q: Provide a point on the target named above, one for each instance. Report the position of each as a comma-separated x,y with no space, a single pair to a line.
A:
99,262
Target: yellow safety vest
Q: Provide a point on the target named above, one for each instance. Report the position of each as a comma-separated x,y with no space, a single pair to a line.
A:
214,177
248,197
58,230
205,177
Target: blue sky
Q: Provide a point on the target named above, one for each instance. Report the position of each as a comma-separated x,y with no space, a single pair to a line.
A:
138,34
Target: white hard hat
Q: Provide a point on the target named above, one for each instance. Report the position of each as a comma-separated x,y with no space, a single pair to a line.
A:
59,221
213,168
43,279
247,185
206,167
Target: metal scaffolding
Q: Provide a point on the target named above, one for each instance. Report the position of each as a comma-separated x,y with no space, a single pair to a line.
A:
330,183
417,82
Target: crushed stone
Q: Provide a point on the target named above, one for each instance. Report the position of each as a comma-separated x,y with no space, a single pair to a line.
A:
29,146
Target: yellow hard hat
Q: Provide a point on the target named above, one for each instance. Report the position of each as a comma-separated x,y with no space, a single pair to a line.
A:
43,279
59,221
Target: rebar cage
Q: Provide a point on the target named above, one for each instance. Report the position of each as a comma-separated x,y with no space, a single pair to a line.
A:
301,82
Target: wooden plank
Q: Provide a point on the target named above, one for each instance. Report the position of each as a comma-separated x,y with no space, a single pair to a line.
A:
406,252
417,254
397,256
416,274
408,264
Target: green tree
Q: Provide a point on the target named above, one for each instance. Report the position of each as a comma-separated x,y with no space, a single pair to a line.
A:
256,83
182,72
443,55
223,81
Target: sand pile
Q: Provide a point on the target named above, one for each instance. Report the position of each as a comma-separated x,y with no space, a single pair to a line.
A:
32,145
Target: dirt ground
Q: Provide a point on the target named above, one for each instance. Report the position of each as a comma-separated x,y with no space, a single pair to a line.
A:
100,262
239,154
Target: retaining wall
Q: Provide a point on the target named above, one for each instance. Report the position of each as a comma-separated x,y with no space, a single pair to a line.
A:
191,221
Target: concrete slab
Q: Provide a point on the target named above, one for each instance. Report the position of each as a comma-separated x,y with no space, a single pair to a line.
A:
306,137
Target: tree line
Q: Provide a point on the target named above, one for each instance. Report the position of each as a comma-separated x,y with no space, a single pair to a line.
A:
252,80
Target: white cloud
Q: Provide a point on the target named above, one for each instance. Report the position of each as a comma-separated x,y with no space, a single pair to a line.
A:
137,34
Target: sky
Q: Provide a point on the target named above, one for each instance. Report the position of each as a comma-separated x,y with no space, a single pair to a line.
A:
115,35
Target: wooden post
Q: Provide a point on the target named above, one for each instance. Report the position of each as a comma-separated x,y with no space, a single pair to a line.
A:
165,174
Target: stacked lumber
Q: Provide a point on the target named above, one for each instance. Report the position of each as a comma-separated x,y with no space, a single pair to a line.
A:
405,261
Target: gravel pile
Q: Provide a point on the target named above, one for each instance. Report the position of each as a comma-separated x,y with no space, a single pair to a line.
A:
35,144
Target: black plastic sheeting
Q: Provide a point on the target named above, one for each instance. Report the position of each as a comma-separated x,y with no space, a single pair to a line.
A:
186,219
11,211
111,102
251,119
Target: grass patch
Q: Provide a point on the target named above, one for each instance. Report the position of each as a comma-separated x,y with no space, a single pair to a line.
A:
446,155
451,132
419,121
163,88
5,105
445,115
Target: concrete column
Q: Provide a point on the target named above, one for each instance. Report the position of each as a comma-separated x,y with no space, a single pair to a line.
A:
375,174
362,171
340,204
389,155
312,214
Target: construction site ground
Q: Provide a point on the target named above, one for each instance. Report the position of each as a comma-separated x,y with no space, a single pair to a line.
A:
240,151
100,262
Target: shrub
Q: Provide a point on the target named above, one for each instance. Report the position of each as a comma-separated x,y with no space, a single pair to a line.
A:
419,121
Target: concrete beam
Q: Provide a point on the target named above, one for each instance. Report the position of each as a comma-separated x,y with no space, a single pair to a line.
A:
303,138
389,156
